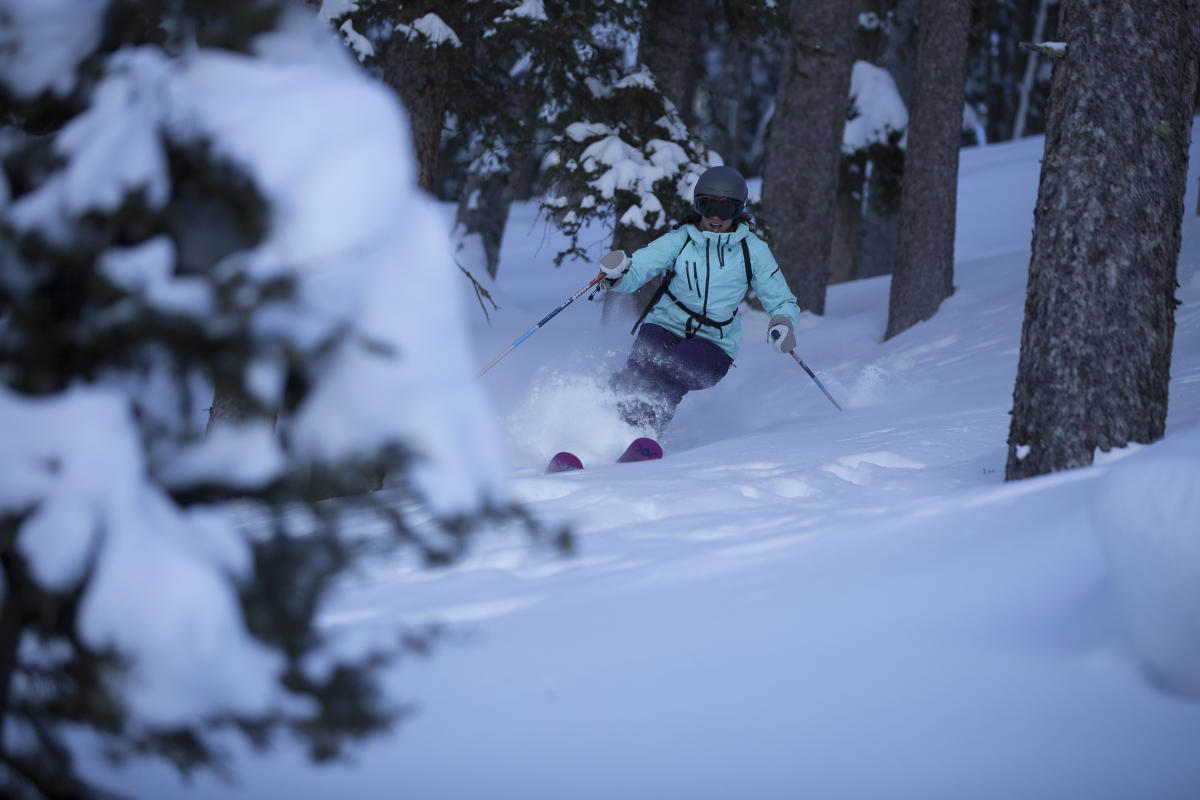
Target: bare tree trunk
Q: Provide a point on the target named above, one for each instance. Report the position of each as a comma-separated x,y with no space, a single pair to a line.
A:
1099,314
847,229
669,46
804,147
1039,28
421,76
924,273
1000,72
225,408
728,103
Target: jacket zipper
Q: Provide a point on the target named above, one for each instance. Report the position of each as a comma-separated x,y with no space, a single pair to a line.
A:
707,276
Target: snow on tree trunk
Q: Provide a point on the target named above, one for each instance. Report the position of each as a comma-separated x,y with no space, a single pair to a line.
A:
924,272
1099,314
805,144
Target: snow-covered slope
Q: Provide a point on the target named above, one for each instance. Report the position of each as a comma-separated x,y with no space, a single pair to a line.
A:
799,602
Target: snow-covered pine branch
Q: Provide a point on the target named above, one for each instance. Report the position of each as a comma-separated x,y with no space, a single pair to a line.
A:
874,137
607,169
212,218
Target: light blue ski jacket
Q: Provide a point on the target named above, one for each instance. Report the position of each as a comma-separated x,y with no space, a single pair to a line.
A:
710,281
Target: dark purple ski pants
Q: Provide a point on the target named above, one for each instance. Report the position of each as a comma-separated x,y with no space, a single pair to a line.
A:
660,370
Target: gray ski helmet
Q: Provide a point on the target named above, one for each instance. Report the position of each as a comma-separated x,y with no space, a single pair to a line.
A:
721,182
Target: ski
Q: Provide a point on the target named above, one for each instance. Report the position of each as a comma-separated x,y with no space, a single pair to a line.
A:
563,462
642,449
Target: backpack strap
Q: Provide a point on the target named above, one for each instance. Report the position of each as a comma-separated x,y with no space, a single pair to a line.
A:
662,287
696,319
693,317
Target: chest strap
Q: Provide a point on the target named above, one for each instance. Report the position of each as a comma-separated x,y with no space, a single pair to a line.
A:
693,317
696,319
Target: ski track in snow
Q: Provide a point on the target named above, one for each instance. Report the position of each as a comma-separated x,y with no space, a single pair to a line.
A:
860,587
762,463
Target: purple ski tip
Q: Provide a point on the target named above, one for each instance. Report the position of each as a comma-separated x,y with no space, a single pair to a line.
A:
642,449
564,462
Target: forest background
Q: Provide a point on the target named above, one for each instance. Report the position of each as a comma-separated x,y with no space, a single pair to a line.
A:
203,272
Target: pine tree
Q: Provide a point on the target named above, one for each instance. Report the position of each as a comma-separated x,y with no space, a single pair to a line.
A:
1096,344
139,270
518,76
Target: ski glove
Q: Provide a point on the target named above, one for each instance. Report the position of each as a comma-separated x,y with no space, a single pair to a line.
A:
614,266
780,334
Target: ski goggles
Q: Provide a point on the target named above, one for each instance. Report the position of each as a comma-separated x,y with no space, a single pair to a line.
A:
720,207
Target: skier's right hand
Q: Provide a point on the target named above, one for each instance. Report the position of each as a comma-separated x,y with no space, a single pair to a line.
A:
614,265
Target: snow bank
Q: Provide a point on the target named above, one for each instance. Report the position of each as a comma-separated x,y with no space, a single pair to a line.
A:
1146,515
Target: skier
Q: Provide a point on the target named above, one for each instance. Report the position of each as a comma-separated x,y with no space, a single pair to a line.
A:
692,331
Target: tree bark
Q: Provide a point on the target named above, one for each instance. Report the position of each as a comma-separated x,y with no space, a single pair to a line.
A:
847,230
1099,313
1000,66
421,76
669,46
924,272
804,147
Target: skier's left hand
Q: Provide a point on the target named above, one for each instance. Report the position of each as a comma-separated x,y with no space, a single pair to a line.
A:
780,334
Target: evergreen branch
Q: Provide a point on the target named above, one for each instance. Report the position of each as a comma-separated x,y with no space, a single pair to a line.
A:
481,293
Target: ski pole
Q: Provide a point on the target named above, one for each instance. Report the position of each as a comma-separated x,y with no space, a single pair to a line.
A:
821,386
545,319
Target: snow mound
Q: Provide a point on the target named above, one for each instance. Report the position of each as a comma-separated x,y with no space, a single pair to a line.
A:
1146,514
